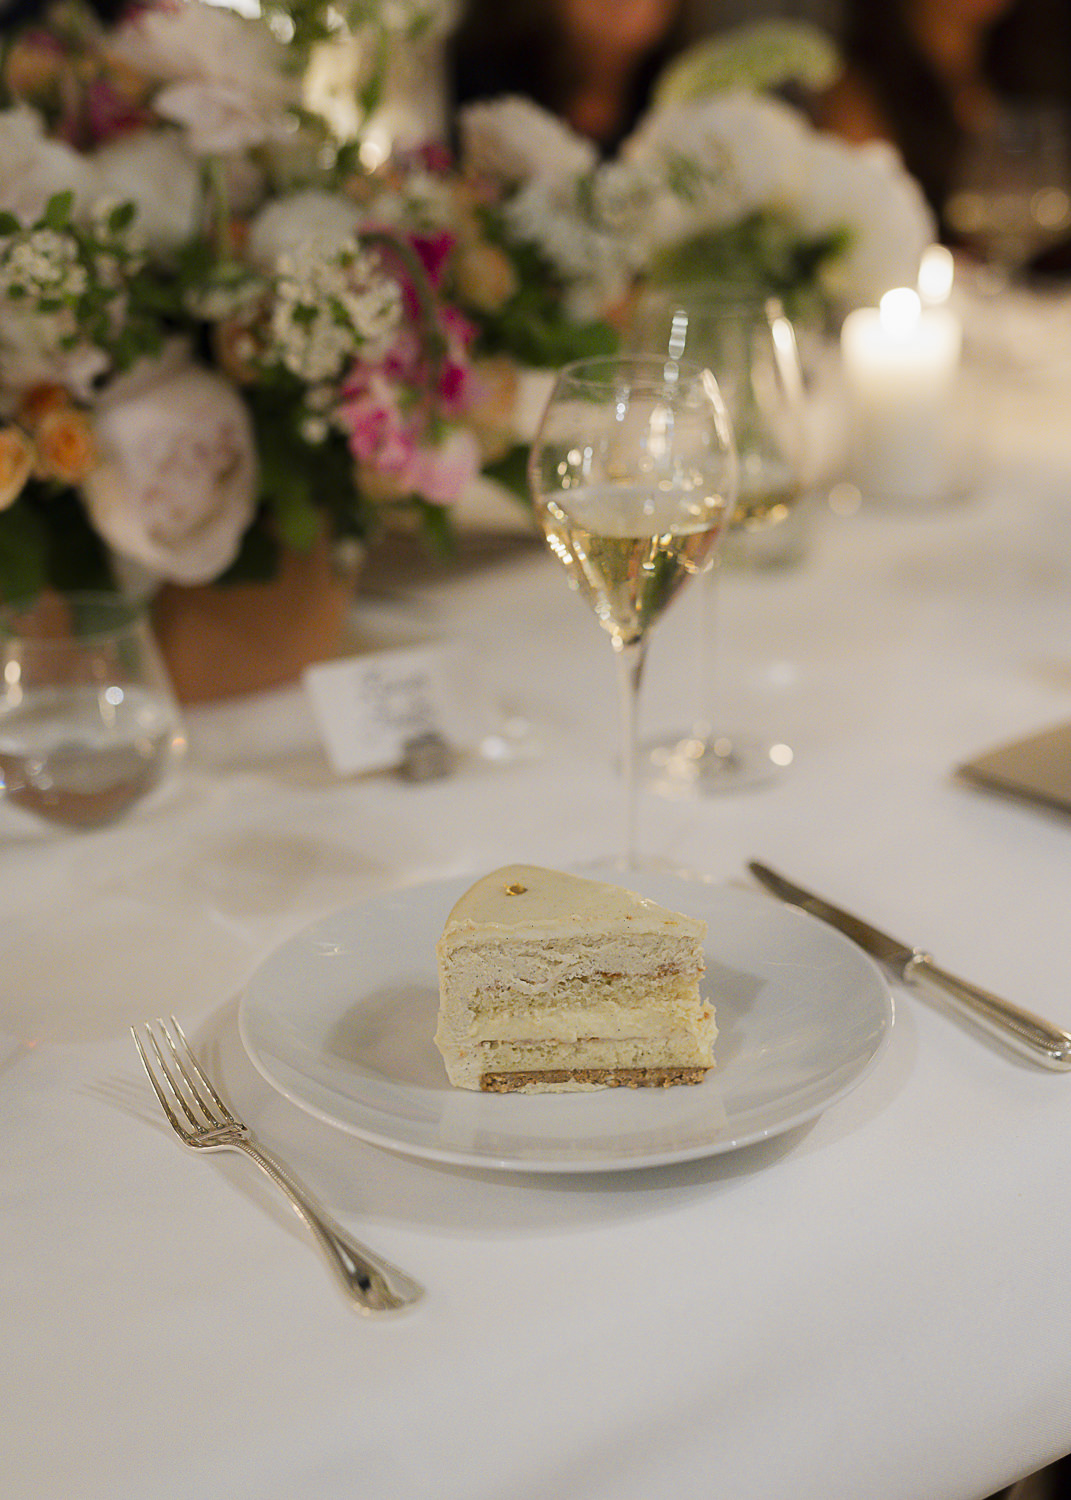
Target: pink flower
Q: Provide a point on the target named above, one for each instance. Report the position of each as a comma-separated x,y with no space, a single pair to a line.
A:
109,114
434,251
440,474
376,431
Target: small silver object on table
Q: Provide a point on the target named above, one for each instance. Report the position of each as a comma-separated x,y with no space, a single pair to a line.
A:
425,757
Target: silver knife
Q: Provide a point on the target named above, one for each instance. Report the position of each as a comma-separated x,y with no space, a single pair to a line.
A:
1028,1034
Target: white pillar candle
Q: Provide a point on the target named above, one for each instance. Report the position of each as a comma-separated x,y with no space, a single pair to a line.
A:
901,363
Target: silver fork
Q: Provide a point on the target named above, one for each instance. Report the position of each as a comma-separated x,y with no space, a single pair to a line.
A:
203,1122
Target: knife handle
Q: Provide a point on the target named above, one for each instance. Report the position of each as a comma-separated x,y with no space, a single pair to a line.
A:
1028,1034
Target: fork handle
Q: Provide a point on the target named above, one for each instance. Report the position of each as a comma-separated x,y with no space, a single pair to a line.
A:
370,1284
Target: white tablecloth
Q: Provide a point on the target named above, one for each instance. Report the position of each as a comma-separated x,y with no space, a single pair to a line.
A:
872,1305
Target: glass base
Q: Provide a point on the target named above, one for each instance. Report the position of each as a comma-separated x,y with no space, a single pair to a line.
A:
692,766
615,870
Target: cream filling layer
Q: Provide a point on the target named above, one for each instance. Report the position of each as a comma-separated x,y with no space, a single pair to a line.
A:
595,1052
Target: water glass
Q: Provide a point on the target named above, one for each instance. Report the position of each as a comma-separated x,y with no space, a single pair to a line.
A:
89,725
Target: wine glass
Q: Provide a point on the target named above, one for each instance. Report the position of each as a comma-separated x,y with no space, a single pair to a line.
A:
88,722
633,473
750,345
1011,195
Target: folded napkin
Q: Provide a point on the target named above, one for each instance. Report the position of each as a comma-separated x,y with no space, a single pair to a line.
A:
1038,767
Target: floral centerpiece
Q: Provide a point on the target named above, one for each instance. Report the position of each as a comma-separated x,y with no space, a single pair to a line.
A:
734,186
219,336
223,336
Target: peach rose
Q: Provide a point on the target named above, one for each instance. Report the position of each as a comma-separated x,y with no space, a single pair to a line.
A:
485,276
38,401
16,463
32,68
66,447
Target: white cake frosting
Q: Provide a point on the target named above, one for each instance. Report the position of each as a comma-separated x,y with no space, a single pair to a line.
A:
543,974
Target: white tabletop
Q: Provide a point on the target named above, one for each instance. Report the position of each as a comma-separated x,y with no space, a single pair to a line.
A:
871,1305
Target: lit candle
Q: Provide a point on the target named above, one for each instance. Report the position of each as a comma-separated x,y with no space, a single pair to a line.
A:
901,363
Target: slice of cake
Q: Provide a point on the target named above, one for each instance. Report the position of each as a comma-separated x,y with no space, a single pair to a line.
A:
548,982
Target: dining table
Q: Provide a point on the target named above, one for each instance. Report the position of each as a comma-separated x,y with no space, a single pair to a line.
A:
860,1297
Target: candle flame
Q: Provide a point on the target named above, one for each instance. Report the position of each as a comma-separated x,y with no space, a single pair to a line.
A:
900,311
937,272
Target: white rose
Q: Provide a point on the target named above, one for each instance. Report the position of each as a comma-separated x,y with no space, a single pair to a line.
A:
512,139
745,151
33,169
866,191
156,171
224,76
175,488
309,218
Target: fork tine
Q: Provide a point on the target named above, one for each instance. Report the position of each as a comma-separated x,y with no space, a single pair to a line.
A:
165,1103
201,1074
189,1097
178,1093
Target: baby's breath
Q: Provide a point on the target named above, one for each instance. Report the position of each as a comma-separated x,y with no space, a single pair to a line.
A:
327,309
43,267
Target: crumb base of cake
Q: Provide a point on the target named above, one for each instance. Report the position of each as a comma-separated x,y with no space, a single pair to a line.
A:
607,1078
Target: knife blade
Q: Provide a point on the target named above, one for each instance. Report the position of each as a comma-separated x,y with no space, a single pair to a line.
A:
1026,1033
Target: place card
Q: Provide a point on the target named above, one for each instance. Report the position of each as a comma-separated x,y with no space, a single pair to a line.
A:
369,708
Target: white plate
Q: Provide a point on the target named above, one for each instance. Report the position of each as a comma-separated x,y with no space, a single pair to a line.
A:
340,1020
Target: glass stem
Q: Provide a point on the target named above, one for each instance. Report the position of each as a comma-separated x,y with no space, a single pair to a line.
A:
706,672
630,659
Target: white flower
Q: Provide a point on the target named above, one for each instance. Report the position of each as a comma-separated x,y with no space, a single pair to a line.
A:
33,169
512,140
719,160
696,168
41,278
34,351
309,218
327,309
591,256
176,486
154,170
416,18
224,76
866,190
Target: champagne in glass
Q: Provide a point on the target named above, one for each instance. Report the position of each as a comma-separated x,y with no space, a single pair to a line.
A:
750,345
633,473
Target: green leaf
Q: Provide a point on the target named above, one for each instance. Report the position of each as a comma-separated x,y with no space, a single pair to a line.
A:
511,471
122,217
9,224
23,552
436,525
57,214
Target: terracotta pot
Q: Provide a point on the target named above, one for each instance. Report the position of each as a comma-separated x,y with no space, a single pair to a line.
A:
220,641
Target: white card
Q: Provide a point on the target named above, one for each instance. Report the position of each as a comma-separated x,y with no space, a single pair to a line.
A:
367,708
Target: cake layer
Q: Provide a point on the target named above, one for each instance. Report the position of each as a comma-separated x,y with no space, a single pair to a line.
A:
470,1064
572,1080
605,1006
538,965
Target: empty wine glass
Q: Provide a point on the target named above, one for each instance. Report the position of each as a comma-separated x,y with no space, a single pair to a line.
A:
633,473
750,345
1011,197
88,721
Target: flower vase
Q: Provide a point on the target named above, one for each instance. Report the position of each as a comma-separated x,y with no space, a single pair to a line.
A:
226,640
